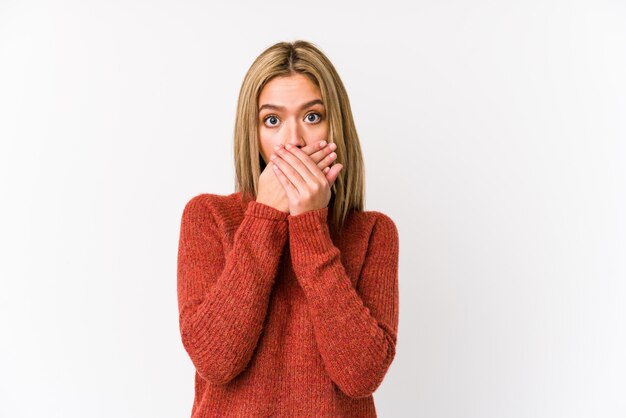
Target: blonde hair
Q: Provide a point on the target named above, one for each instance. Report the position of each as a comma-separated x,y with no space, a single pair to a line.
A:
283,59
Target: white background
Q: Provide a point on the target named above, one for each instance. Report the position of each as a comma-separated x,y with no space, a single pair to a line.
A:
493,134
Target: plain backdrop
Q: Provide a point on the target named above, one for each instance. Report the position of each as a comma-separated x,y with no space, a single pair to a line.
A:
493,134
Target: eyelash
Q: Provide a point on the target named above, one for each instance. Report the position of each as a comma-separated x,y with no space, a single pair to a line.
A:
272,115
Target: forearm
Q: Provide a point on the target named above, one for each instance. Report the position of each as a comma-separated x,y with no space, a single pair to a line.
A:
220,327
355,342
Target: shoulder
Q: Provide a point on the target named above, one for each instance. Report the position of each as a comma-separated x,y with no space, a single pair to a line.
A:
382,225
375,219
211,205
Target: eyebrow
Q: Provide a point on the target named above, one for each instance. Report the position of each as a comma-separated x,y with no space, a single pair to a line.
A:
304,106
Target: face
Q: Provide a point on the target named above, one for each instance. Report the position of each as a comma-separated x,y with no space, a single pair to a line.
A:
290,111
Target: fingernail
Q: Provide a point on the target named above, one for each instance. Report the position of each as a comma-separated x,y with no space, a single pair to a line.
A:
322,143
288,146
276,147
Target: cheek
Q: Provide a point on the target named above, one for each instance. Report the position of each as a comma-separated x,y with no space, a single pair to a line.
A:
323,132
324,125
266,147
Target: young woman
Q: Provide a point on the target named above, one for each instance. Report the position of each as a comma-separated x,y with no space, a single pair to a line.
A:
287,288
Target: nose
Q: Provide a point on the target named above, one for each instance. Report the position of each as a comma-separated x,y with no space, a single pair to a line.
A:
294,136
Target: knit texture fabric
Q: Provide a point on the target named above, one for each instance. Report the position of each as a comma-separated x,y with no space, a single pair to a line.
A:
279,320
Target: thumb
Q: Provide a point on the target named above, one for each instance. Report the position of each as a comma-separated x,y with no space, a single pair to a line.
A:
333,173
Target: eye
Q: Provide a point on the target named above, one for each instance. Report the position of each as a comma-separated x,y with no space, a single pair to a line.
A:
265,119
274,119
313,114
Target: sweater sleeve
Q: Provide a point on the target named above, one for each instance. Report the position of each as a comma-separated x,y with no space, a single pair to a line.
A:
223,298
355,329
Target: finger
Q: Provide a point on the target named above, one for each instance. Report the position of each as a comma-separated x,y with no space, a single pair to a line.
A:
333,173
327,161
303,163
284,181
293,175
320,152
325,171
319,155
300,166
315,149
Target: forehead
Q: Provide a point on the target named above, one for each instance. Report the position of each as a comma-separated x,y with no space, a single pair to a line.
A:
285,90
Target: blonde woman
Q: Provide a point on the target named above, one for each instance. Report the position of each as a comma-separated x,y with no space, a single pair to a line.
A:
287,288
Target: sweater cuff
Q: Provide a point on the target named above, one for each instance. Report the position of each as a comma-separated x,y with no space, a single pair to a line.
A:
309,230
261,210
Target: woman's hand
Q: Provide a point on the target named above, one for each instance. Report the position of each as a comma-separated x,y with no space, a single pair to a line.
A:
307,186
271,191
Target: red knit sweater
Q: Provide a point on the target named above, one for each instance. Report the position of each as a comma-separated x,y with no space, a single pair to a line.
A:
277,318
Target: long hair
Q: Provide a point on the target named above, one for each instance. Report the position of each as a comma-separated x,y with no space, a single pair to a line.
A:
283,59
